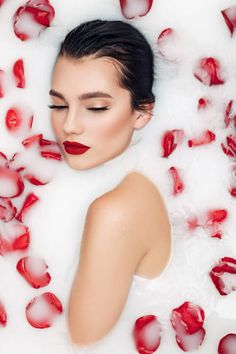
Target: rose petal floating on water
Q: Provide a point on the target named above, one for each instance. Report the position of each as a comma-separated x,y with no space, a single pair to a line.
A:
7,210
33,17
230,114
147,334
168,44
227,344
208,71
3,160
18,72
27,142
170,140
29,201
34,271
13,236
178,183
203,103
216,216
11,183
229,15
3,315
223,275
230,150
2,83
187,321
18,120
42,310
135,8
206,138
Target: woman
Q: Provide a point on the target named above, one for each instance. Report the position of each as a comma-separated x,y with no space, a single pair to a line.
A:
102,92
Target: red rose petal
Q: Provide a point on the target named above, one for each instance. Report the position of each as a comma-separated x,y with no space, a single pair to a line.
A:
191,316
170,140
178,183
34,271
11,183
13,119
203,103
27,142
3,160
32,18
208,72
206,138
187,321
18,72
227,344
7,210
42,310
29,201
230,113
2,83
13,237
18,120
3,315
191,341
229,15
230,150
135,8
216,216
34,180
233,192
223,275
168,44
147,334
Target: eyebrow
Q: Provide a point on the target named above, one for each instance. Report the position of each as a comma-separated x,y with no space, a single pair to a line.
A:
84,96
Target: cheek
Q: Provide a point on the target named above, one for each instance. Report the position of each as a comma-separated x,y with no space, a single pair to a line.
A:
55,125
116,127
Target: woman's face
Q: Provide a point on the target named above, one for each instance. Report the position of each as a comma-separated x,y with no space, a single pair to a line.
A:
80,87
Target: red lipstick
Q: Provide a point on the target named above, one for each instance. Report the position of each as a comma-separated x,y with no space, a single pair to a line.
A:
75,148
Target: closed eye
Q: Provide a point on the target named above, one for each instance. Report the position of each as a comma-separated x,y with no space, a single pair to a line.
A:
56,107
91,109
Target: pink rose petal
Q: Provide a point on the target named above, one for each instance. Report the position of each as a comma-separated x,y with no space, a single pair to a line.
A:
42,310
135,8
34,271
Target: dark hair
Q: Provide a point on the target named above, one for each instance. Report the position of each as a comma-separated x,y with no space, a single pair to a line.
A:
122,42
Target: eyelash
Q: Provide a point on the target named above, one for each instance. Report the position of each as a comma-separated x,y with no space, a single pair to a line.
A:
91,109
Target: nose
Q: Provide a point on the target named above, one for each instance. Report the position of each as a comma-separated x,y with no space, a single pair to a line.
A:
73,124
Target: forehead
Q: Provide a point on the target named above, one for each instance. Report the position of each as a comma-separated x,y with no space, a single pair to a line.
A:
86,72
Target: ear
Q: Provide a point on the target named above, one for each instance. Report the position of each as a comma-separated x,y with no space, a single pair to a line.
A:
143,116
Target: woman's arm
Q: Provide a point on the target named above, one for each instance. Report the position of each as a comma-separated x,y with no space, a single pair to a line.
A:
111,249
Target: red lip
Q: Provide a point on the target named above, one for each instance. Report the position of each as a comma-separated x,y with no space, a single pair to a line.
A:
75,148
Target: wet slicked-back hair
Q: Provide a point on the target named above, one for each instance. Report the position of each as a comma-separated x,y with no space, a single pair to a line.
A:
122,42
